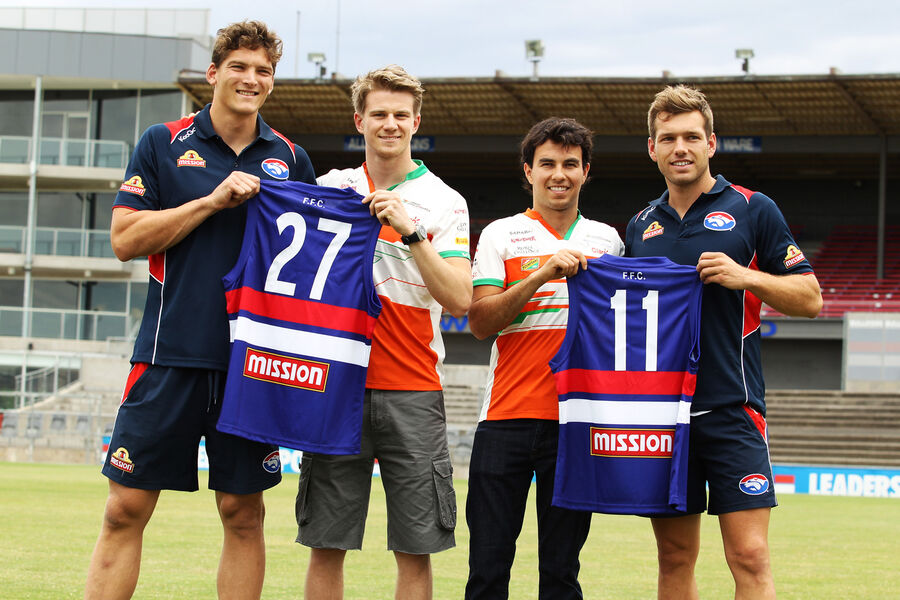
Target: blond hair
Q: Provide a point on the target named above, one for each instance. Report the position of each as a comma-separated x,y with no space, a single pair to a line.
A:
677,99
393,78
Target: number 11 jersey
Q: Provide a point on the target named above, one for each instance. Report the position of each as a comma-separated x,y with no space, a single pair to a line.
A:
625,375
302,308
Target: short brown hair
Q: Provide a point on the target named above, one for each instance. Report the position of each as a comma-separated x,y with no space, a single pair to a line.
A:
677,99
393,78
246,34
563,131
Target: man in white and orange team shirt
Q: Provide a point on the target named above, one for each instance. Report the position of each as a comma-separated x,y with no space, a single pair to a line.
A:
421,268
520,274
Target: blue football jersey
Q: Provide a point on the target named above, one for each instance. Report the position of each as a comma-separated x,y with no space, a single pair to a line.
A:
302,308
625,375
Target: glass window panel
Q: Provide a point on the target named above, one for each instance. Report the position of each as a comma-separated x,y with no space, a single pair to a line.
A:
47,325
13,208
102,212
11,322
54,294
61,209
16,112
52,125
108,326
159,106
11,292
115,113
105,296
66,101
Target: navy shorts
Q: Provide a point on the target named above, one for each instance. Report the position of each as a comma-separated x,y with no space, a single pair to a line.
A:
164,413
729,450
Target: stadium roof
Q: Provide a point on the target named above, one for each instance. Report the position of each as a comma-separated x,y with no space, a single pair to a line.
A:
748,105
813,125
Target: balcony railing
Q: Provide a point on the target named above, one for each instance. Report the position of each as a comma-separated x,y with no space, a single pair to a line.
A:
58,241
65,151
69,324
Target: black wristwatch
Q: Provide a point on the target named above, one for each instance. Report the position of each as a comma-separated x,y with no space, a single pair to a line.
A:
415,237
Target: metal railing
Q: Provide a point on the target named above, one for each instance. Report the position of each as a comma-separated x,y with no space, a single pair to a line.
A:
65,151
67,324
58,241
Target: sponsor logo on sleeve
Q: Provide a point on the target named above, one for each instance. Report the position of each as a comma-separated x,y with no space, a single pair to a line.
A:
120,460
754,485
277,169
285,370
272,462
653,230
719,221
634,443
191,159
530,263
793,256
135,185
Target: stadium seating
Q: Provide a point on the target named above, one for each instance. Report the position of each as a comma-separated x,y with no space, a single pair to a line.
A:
845,266
833,428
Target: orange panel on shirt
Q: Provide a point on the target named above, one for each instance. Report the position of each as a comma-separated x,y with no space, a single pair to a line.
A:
523,386
401,358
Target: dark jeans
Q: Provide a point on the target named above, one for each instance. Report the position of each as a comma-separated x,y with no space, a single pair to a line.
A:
505,457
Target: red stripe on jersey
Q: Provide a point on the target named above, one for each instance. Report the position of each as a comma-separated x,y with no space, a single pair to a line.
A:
158,266
743,192
752,304
176,127
137,369
759,421
289,143
296,310
630,383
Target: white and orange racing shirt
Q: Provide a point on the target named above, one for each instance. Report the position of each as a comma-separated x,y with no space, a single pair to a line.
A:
520,384
407,348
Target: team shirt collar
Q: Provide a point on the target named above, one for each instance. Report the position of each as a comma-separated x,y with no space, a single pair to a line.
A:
533,214
205,128
420,170
721,184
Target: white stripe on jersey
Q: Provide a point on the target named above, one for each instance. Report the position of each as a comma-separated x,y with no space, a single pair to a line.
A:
273,337
583,410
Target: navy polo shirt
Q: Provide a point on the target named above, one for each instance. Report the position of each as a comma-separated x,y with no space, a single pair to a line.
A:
185,323
748,227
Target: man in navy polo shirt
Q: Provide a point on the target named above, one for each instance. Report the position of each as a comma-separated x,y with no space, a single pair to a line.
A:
745,254
182,205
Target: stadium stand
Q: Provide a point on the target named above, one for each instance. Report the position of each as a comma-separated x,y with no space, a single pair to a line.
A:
834,428
845,266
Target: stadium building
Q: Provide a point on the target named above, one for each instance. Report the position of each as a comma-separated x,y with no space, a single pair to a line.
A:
78,87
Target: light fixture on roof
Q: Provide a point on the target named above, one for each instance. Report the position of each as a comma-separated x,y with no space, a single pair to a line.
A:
534,51
744,54
317,58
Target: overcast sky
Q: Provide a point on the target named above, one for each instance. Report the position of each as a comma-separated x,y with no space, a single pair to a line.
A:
475,38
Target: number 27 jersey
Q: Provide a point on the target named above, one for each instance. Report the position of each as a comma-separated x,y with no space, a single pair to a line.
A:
302,308
625,375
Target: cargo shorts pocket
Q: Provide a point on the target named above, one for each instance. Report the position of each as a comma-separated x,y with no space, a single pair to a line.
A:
301,505
444,492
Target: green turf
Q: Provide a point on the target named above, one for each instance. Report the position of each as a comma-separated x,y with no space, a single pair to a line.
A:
822,547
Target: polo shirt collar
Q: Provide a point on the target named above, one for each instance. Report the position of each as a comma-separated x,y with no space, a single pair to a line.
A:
717,188
205,130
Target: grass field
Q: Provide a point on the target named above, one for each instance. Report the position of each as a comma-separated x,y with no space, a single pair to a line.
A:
822,547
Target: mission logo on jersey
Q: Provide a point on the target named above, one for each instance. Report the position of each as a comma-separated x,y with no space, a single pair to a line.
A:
632,443
191,159
284,370
793,256
653,230
135,185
